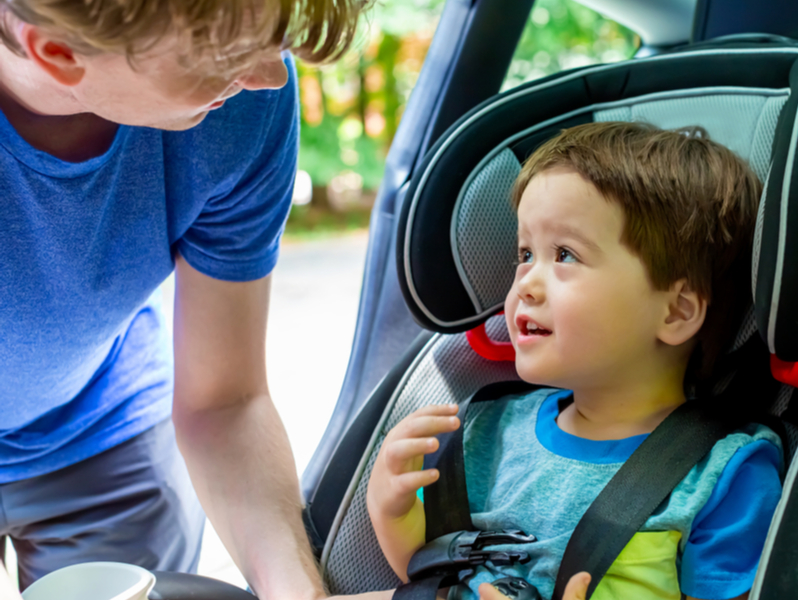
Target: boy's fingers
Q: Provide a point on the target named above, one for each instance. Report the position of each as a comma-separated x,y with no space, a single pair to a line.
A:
488,592
400,452
436,409
577,586
409,483
428,425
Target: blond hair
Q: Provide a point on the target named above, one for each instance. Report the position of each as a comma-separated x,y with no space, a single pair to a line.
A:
315,30
690,208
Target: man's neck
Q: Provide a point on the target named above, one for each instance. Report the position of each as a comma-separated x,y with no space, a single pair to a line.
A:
46,116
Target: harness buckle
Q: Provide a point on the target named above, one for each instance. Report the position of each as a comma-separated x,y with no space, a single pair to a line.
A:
456,554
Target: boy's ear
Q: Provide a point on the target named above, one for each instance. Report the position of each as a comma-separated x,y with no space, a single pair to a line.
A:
685,314
56,58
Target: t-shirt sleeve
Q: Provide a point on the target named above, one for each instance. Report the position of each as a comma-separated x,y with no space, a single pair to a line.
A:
728,534
237,234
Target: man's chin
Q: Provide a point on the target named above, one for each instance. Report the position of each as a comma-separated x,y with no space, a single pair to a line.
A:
180,124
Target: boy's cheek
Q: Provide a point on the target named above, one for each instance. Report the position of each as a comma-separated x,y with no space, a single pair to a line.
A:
510,309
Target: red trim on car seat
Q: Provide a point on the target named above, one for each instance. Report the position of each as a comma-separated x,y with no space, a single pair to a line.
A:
487,348
785,372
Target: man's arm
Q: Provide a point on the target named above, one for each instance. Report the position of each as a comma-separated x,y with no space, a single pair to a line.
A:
231,436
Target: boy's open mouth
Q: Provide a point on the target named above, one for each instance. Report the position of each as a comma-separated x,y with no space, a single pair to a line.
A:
529,327
534,329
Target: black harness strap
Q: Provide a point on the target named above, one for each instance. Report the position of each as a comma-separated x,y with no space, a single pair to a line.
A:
621,508
447,507
641,484
446,501
662,461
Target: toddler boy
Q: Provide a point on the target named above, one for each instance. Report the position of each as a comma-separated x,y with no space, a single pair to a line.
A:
634,247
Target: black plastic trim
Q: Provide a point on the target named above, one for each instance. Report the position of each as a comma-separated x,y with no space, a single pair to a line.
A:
780,578
183,586
714,18
777,317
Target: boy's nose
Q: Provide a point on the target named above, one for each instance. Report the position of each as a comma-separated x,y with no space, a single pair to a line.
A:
270,75
531,287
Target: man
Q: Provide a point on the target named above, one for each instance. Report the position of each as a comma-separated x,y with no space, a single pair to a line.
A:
137,137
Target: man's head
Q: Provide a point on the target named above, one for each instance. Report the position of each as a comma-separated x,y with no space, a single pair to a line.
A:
685,208
166,63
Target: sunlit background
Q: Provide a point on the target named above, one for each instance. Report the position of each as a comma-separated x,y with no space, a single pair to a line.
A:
350,110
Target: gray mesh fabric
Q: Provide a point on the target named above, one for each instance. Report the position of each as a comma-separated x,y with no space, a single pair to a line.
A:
747,329
761,146
757,242
745,123
782,400
485,231
621,113
786,396
449,372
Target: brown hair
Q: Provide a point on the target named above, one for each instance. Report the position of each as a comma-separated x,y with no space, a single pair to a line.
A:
315,30
690,208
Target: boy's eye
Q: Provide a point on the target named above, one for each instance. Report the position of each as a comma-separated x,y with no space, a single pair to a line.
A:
564,255
525,256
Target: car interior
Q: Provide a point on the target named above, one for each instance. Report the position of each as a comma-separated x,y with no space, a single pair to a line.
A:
443,242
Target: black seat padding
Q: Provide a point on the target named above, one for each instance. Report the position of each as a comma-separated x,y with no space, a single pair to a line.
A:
775,251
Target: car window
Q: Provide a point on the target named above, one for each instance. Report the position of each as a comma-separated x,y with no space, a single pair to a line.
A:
562,34
350,109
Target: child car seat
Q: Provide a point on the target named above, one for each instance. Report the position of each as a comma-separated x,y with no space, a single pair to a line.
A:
456,249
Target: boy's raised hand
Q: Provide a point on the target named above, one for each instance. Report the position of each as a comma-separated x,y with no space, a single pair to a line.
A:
398,473
397,515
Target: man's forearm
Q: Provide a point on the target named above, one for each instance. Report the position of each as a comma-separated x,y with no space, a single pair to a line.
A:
243,470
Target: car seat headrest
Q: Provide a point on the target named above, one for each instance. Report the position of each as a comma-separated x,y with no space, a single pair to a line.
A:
456,242
775,243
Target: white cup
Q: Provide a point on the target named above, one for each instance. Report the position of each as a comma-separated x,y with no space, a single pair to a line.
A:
93,581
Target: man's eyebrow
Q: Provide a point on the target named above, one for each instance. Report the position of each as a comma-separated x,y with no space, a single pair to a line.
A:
569,231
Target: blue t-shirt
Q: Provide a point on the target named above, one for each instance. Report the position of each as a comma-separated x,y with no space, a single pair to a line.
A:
85,361
524,472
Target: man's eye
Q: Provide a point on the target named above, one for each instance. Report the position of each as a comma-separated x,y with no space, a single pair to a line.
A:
525,256
564,255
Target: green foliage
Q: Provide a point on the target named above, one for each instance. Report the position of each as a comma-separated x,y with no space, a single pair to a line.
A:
350,110
325,147
402,17
562,34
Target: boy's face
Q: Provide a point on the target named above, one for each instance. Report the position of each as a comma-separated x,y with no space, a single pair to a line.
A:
589,296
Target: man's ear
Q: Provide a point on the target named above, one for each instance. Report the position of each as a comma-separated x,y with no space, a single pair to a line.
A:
56,58
684,315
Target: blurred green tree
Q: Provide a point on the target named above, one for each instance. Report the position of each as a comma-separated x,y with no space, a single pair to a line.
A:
350,109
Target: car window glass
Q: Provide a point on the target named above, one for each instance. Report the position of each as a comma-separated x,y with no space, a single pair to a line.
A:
562,34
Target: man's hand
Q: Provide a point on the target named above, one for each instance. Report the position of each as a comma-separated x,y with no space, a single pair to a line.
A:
397,515
575,590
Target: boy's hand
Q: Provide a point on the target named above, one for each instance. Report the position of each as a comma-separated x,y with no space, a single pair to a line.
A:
398,473
397,515
575,590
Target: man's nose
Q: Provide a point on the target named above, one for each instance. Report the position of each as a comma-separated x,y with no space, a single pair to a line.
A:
269,75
